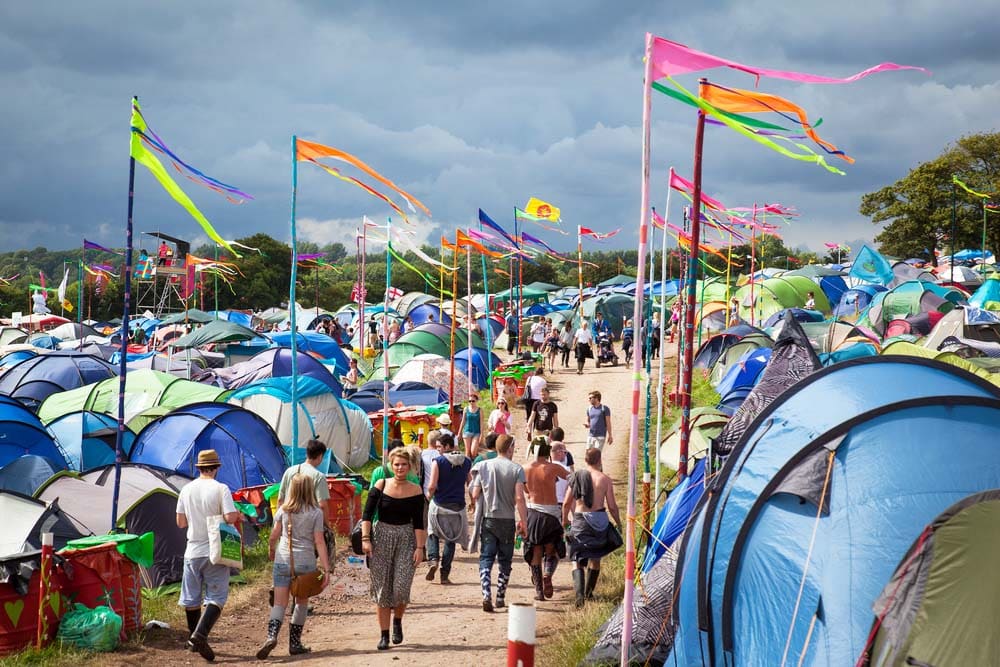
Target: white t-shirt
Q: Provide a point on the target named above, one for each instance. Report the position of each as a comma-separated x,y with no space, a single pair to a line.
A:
538,332
535,385
583,336
197,501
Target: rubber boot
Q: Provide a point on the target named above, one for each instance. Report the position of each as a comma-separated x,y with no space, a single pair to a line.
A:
295,646
397,631
592,576
578,587
536,578
273,628
579,367
193,616
383,642
199,638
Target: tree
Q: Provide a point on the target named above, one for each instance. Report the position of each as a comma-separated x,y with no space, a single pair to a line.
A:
919,207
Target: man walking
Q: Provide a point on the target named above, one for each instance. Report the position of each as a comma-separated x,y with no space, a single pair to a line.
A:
544,539
315,452
501,483
543,418
202,582
590,498
446,519
513,326
598,422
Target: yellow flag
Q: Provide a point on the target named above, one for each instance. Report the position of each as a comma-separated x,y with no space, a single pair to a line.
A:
67,305
542,210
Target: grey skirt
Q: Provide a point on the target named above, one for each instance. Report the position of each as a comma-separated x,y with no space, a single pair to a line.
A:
391,566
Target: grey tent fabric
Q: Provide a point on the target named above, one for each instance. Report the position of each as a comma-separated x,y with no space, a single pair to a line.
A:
792,358
652,631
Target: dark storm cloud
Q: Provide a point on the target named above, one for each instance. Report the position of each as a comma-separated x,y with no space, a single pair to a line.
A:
467,105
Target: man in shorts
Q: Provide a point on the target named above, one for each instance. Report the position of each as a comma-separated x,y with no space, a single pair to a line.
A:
544,544
598,422
203,583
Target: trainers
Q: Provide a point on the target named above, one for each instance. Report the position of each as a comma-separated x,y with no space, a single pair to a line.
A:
431,572
487,605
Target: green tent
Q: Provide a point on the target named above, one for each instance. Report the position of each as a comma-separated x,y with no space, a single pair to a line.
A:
615,308
143,389
775,294
941,604
526,293
192,315
216,331
544,287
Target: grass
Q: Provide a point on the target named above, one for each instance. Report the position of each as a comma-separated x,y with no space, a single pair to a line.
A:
575,634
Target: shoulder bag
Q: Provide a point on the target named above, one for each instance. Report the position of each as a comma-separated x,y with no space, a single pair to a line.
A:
303,585
225,544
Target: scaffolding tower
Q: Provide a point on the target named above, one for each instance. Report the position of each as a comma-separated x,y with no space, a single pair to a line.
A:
159,286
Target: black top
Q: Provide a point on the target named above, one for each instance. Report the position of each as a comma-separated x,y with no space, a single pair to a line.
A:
395,511
543,415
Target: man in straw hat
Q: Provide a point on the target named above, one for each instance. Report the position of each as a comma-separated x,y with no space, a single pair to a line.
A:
204,587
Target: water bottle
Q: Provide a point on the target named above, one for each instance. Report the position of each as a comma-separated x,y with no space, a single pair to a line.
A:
355,561
517,543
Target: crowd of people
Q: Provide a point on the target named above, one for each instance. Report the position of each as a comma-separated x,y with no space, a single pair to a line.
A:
465,490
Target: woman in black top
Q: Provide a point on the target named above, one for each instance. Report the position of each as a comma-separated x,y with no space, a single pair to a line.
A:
396,543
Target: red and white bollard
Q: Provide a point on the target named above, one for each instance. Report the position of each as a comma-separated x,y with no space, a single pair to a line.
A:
521,635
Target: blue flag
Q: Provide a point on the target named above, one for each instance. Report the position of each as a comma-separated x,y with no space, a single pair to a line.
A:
488,222
872,267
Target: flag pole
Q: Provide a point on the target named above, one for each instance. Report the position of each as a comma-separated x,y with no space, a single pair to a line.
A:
520,283
982,262
663,344
579,270
633,448
451,332
954,222
291,306
385,337
468,312
685,430
486,322
126,306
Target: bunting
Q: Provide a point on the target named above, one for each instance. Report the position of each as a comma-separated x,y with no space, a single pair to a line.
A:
144,157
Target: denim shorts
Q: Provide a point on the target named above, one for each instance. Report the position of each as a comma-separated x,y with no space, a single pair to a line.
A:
281,575
203,582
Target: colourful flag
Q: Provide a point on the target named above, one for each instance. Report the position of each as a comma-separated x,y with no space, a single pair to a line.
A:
872,267
393,292
62,285
488,222
144,157
90,245
41,278
541,210
600,237
681,184
464,241
358,293
954,179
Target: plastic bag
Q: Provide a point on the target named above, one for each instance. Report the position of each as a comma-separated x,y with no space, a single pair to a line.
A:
94,629
225,544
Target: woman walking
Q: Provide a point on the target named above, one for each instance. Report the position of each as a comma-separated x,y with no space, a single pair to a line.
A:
501,421
471,427
296,537
396,544
552,348
566,342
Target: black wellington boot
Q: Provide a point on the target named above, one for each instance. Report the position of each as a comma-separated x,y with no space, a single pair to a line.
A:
199,638
592,576
578,586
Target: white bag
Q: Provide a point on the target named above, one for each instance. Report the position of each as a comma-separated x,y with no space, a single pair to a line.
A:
225,544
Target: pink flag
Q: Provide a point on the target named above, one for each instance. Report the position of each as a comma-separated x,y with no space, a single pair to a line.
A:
683,185
670,59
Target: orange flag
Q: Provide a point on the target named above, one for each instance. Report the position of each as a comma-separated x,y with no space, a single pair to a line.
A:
465,242
748,101
311,152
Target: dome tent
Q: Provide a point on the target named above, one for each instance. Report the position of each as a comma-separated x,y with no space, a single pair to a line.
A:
26,473
22,433
25,519
35,379
250,452
805,486
89,439
275,362
340,424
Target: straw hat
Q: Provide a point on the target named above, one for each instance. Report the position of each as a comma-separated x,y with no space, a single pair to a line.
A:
444,419
208,458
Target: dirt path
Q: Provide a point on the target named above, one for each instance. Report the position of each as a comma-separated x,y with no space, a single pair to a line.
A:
444,624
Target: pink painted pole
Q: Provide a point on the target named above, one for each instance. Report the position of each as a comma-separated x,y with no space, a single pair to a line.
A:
521,635
44,590
633,438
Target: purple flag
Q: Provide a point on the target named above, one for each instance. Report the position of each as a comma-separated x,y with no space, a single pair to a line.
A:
90,245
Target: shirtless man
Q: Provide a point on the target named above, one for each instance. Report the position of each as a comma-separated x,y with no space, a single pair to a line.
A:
590,497
545,531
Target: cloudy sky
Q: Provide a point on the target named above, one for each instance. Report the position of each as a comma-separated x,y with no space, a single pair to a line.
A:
464,104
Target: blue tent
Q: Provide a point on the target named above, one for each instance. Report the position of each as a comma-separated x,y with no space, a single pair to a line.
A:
988,291
243,319
855,300
662,288
21,432
745,372
369,397
250,452
426,312
712,349
480,370
89,439
312,341
674,515
807,521
800,314
44,341
276,362
26,473
16,357
35,379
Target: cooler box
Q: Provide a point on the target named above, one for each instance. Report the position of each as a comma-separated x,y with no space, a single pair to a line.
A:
344,508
